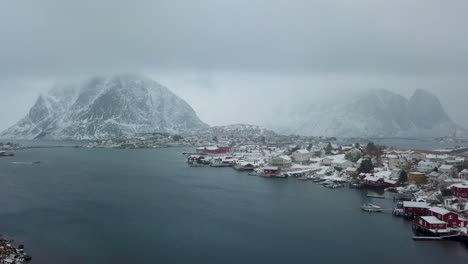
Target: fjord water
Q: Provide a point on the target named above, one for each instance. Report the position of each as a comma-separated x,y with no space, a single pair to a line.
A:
147,206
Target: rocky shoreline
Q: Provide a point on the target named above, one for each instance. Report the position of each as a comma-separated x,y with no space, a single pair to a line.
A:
10,254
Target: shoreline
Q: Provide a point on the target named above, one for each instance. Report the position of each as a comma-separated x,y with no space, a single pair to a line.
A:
11,254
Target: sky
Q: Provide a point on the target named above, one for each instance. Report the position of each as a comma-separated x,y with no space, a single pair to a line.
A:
238,61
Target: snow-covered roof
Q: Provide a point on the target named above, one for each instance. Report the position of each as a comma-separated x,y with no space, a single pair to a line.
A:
426,163
383,174
208,148
372,178
416,173
434,174
433,220
434,156
446,167
339,159
460,186
439,210
302,151
285,157
390,181
245,163
415,204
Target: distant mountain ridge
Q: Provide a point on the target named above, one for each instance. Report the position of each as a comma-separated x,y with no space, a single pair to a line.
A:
375,113
106,107
127,104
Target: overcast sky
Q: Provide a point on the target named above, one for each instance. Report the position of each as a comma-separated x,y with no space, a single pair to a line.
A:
224,56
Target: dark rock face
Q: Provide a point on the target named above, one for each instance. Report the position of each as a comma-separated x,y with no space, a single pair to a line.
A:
425,110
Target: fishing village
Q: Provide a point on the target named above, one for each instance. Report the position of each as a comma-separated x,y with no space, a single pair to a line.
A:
428,188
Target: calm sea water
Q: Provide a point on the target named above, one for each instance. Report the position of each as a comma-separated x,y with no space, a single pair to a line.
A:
148,206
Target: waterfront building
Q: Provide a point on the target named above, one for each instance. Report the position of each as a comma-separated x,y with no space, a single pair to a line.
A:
282,161
447,216
415,208
301,156
214,149
431,223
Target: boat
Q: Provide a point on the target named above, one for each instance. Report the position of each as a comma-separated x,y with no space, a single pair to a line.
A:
325,182
376,196
336,185
317,180
371,208
196,164
25,162
6,154
356,185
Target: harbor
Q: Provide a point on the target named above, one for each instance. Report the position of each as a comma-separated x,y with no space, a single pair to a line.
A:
147,196
434,180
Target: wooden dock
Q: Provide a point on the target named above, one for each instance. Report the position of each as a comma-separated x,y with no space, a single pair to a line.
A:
423,238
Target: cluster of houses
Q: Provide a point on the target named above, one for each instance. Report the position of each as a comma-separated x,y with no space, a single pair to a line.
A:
419,167
426,174
9,146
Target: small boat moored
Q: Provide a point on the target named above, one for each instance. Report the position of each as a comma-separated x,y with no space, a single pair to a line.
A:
376,196
371,208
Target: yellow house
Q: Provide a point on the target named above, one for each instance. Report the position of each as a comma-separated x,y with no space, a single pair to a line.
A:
417,177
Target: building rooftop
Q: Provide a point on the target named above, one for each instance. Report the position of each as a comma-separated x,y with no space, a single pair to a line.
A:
415,204
439,210
446,167
432,220
302,151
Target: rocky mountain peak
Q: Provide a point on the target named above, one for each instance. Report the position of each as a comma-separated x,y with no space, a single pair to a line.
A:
106,107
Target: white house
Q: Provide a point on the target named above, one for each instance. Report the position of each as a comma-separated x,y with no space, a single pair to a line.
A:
327,161
397,163
448,170
426,166
463,174
342,164
396,173
439,159
417,156
435,176
339,161
282,161
301,156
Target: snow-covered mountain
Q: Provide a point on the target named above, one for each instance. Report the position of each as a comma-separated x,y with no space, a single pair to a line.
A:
375,113
106,107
